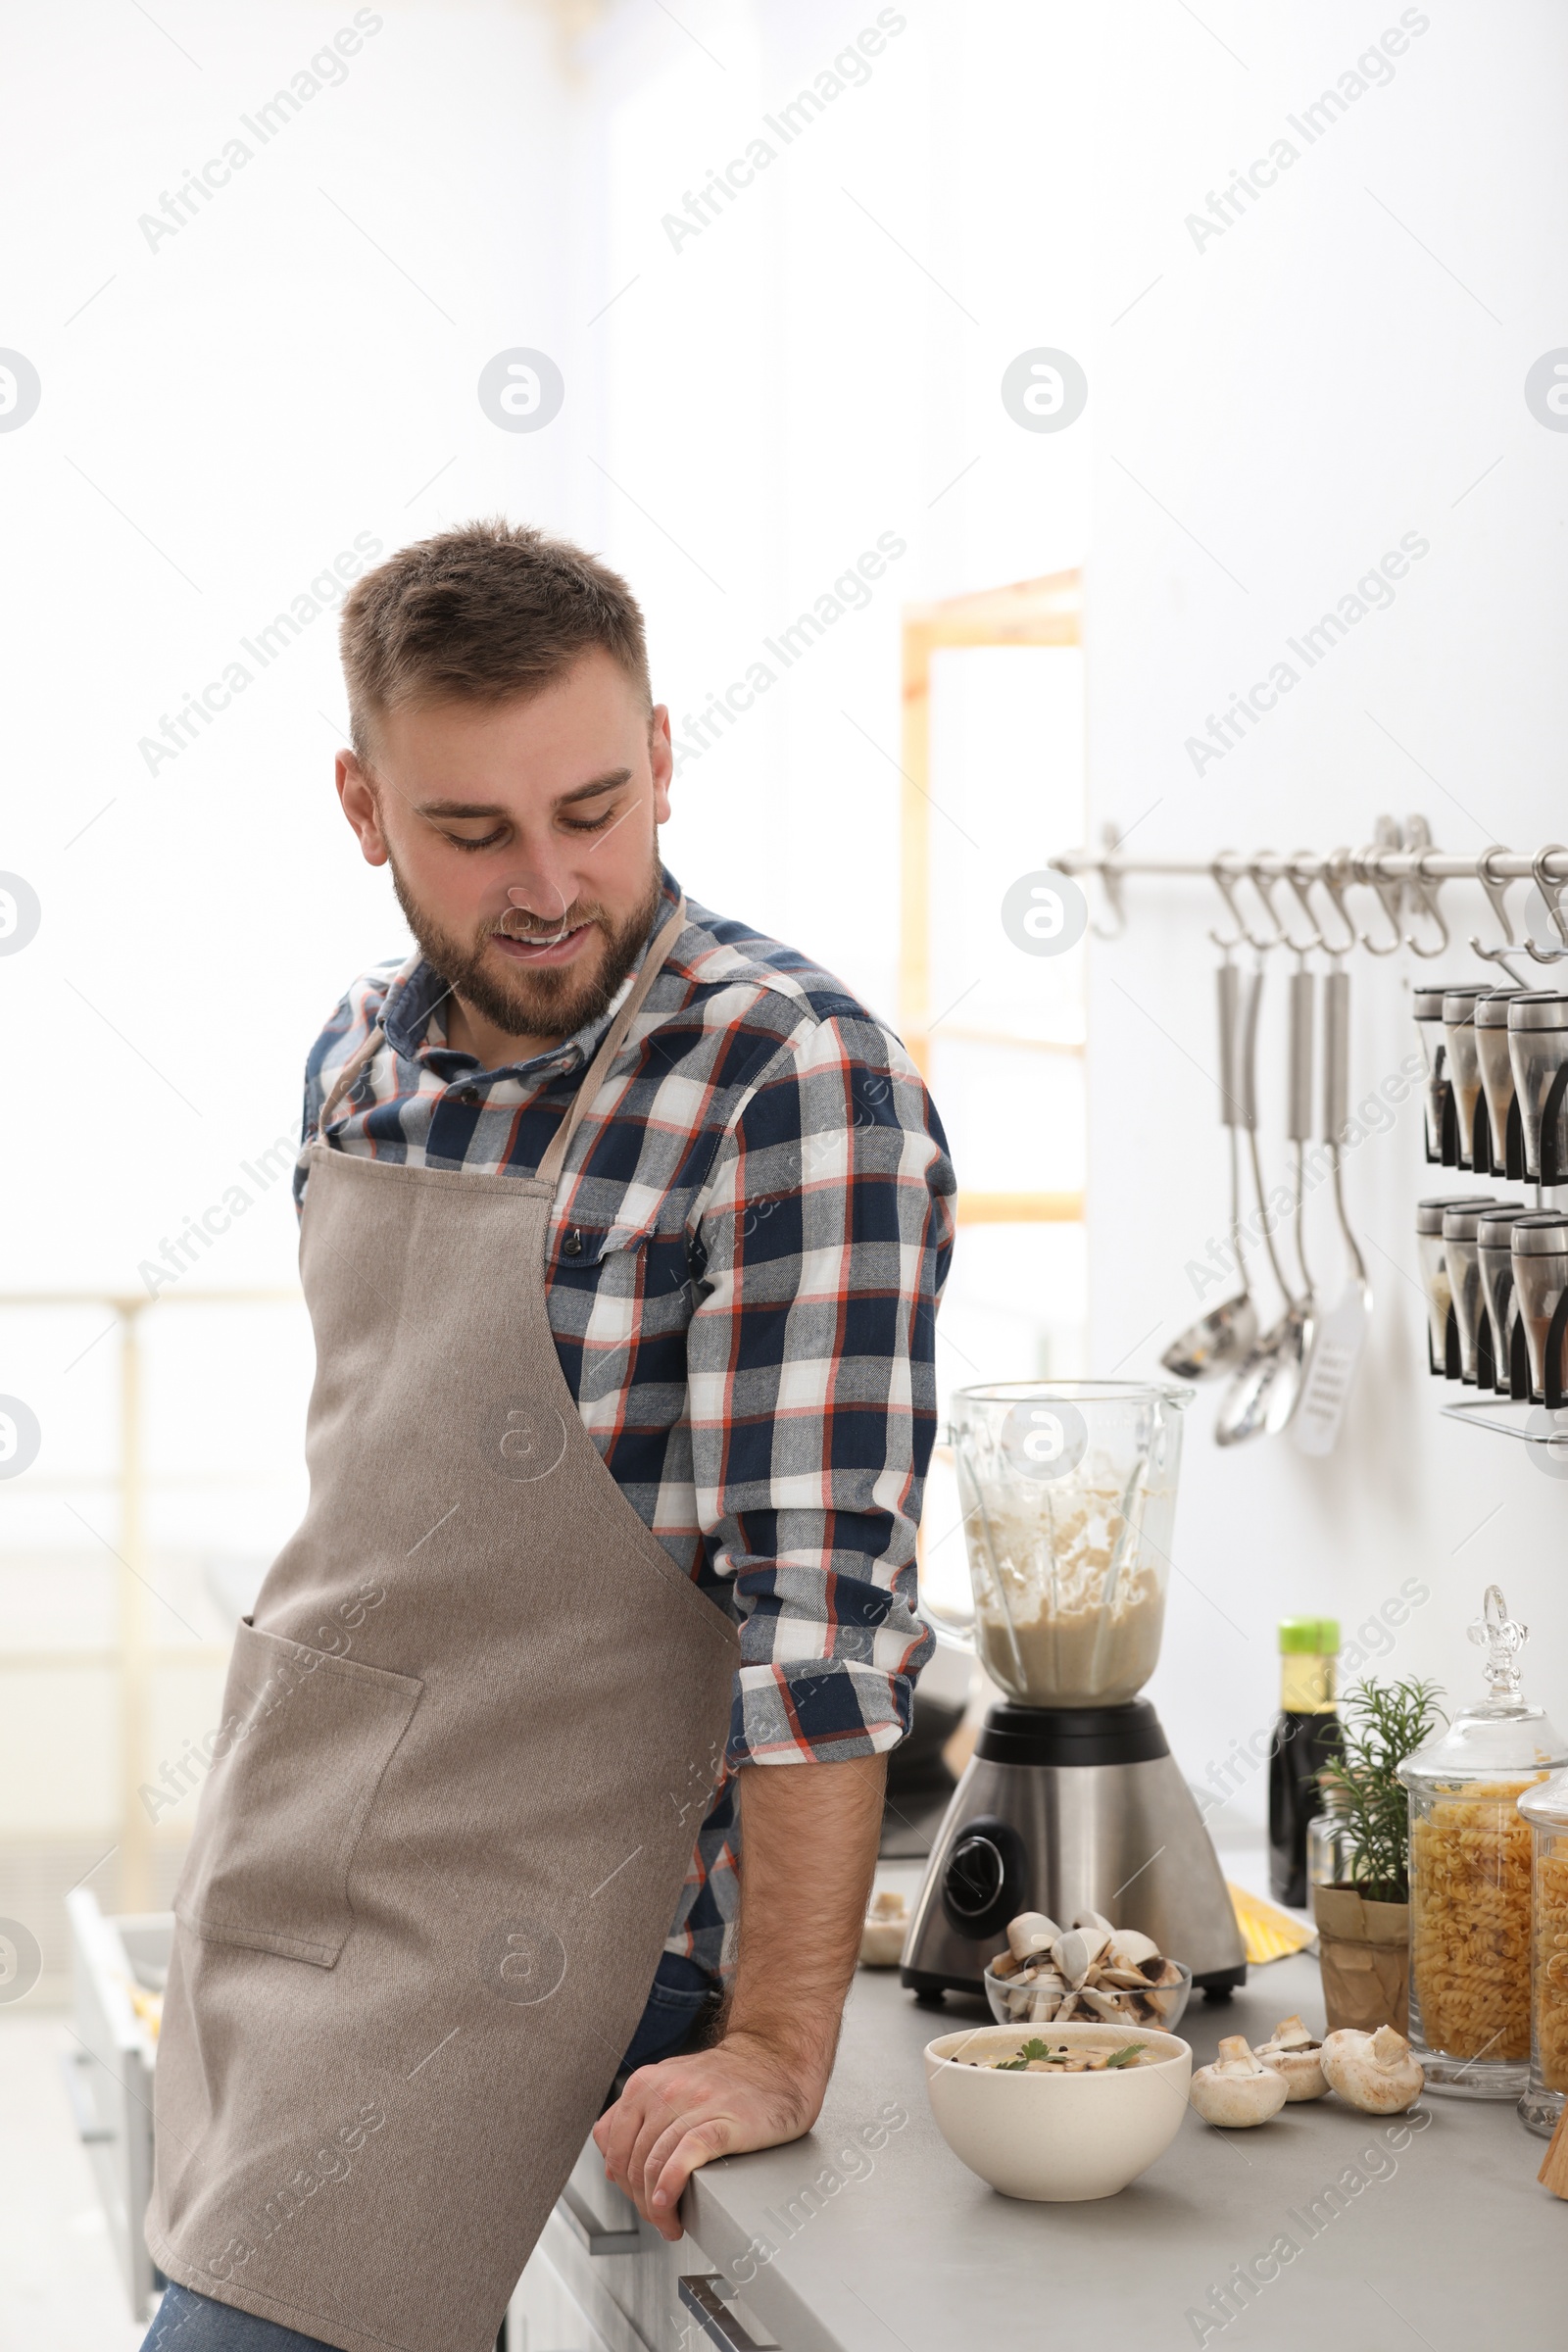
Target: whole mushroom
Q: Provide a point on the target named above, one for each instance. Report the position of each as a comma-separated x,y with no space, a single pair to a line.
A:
1297,2054
1374,2071
1238,2089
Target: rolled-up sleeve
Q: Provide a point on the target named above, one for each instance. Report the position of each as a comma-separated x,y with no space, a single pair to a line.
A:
822,1236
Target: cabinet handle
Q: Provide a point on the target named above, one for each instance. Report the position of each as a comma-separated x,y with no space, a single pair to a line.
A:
591,2231
699,2292
83,2114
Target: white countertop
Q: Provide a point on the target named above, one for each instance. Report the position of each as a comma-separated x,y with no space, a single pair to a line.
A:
1438,2235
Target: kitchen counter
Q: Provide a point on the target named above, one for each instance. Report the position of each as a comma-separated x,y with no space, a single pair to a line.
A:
869,2235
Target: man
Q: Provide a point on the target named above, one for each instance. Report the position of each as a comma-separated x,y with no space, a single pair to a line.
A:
623,1229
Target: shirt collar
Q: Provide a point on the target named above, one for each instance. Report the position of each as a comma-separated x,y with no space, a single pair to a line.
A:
413,1023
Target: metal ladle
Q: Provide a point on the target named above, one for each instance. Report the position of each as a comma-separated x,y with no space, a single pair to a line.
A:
1229,1331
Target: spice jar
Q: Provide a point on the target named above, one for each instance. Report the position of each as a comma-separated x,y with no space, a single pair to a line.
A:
1464,1064
1435,1281
1537,1246
1493,1231
1538,1049
1461,1253
1497,1074
1545,1808
1427,1004
1470,1867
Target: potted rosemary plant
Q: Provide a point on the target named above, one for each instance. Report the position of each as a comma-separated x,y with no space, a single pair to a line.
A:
1361,1883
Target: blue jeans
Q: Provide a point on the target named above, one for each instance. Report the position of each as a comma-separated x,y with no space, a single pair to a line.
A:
186,2322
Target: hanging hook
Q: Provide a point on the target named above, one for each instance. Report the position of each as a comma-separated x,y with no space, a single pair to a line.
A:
1111,883
1390,890
1225,875
1424,888
1263,887
1298,875
1337,874
1551,892
1496,890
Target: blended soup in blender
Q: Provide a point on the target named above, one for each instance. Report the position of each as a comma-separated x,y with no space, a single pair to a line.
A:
1049,1625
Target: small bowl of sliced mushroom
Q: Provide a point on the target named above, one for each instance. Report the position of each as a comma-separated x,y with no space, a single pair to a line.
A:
1089,1972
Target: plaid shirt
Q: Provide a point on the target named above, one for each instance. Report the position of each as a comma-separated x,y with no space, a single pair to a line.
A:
744,1262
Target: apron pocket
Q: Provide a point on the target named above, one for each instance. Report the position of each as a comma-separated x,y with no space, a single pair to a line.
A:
306,1737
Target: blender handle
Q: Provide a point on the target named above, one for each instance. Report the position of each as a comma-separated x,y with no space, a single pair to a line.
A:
953,1628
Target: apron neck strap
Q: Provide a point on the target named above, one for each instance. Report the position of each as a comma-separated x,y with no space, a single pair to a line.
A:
614,1037
551,1165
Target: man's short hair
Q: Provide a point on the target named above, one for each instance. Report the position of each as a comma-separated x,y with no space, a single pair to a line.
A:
480,614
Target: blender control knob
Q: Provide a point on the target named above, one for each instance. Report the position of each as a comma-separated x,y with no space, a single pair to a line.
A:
975,1876
985,1878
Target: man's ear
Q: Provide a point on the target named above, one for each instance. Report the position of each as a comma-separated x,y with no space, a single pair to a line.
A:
661,760
356,793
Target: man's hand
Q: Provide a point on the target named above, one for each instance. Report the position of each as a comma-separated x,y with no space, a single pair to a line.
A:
808,1848
680,2114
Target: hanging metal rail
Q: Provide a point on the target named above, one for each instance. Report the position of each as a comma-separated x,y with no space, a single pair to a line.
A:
1402,867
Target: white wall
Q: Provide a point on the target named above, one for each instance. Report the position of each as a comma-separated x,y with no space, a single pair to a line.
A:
223,415
1299,393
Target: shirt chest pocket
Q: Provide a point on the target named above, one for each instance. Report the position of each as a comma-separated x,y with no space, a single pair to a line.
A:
606,1270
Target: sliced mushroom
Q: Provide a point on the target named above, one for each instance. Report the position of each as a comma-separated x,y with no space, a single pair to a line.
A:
1130,1948
1002,1964
1297,2054
1165,1990
1044,2001
1126,1980
1071,1955
1237,2090
1069,2008
1095,1920
1374,2071
1100,2004
885,1927
1031,1932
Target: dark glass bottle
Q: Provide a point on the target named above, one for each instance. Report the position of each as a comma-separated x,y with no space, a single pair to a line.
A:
1305,1740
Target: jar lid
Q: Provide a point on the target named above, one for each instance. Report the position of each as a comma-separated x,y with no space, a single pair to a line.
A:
1538,1009
1429,1214
1459,1003
1505,1214
1504,1735
1548,1800
1542,1233
1310,1636
1491,1009
1427,1002
1461,1220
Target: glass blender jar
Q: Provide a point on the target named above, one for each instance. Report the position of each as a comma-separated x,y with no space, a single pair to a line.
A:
1470,1876
1068,1492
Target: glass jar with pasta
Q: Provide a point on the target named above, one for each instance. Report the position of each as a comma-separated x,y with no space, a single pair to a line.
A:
1470,1878
1545,1809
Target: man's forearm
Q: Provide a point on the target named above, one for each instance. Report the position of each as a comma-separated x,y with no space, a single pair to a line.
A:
809,1835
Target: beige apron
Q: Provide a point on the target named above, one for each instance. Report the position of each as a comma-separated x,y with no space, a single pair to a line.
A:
468,1737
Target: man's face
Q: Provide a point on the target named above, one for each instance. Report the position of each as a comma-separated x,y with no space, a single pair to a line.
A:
521,837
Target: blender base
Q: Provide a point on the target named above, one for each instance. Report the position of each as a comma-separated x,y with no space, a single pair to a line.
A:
1065,1809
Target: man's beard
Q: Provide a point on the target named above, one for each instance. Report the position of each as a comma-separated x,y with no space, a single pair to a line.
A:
543,1003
